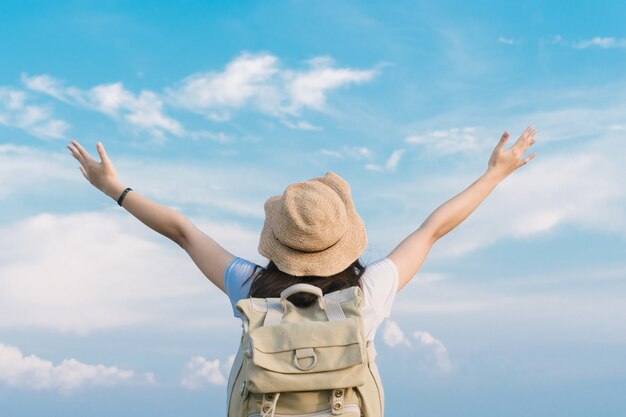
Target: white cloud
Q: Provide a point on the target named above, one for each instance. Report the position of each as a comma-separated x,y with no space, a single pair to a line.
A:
83,272
259,82
220,137
51,86
507,41
374,168
33,373
200,372
301,124
595,42
35,119
350,152
245,79
447,141
143,111
435,350
392,162
390,165
600,42
393,335
26,168
308,89
250,80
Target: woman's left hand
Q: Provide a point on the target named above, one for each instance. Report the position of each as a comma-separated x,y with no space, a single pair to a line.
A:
504,162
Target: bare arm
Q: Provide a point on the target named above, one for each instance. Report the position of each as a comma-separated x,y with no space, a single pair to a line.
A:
207,254
410,254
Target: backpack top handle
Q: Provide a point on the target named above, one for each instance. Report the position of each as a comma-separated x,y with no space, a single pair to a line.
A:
311,289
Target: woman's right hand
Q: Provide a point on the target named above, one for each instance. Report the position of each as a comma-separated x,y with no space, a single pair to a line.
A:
102,174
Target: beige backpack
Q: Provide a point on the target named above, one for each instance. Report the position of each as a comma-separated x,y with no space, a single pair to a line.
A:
312,361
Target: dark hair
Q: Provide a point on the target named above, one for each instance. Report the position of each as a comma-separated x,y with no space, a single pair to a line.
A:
271,281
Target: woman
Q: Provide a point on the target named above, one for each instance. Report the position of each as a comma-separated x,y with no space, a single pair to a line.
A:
311,234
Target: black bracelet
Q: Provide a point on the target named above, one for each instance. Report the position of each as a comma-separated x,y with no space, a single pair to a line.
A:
119,200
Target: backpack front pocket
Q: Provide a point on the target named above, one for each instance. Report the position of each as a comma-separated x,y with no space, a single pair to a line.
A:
306,356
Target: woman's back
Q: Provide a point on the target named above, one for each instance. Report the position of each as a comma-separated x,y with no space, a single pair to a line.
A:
379,284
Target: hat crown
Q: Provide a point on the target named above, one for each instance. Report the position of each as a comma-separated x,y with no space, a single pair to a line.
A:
315,217
313,229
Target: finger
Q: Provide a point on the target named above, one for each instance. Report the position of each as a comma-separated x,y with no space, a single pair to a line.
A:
530,140
75,154
527,132
503,139
81,150
522,140
84,172
103,155
531,156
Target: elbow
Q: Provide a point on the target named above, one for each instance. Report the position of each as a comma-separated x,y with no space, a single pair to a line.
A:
180,238
178,234
435,233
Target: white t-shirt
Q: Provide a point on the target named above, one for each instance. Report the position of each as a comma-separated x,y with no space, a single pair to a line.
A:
379,283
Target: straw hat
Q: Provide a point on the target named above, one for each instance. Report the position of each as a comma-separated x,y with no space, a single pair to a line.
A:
313,228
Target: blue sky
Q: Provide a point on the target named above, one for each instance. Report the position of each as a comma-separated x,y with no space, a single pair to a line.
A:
211,107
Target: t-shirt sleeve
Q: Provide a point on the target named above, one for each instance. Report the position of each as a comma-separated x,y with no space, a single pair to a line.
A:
237,271
380,284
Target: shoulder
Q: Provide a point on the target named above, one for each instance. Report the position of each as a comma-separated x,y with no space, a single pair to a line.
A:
380,283
237,271
381,275
238,265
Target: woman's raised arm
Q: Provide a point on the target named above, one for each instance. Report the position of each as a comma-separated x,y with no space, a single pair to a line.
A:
412,251
207,254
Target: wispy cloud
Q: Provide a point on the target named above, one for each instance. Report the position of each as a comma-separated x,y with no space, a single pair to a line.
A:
507,41
143,111
259,82
300,124
33,373
393,335
447,141
308,89
37,120
255,81
595,42
349,152
433,350
216,94
200,372
599,42
390,165
23,167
